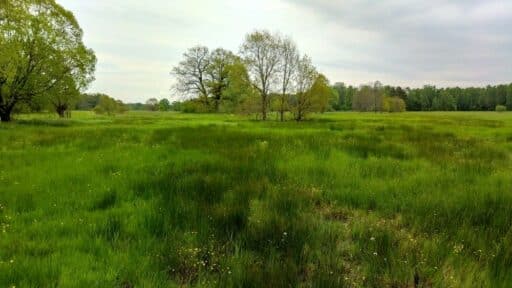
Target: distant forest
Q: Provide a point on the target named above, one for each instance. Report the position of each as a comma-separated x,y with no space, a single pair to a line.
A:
349,98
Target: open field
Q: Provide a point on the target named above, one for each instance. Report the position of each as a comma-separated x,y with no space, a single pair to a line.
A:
344,200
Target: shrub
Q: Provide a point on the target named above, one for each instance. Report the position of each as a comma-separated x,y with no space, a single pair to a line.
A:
393,104
501,108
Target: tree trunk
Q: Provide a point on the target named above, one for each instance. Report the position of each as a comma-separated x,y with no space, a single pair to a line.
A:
61,110
264,107
217,105
5,114
281,109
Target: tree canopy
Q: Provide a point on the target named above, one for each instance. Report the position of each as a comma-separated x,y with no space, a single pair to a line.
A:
42,55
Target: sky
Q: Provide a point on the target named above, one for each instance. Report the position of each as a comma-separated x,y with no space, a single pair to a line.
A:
398,42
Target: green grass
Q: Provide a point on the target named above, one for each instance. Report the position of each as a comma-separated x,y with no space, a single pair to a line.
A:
172,200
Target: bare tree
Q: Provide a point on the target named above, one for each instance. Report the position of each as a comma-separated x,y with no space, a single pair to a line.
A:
262,55
191,73
289,60
305,78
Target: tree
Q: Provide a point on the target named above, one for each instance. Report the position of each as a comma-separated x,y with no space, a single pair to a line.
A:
62,101
41,53
288,66
239,88
191,74
261,51
152,104
394,104
109,106
303,102
164,105
218,74
369,97
427,96
321,93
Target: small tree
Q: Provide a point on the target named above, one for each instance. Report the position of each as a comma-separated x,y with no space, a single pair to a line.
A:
322,94
109,106
164,105
152,104
394,104
303,102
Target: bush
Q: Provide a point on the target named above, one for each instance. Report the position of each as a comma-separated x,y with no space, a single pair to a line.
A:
501,108
194,106
393,104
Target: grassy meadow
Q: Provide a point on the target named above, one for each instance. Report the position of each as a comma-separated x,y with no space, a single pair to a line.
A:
175,200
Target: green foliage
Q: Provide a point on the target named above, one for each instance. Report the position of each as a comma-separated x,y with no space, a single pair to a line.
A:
345,97
444,101
41,56
109,106
322,94
501,108
164,105
394,104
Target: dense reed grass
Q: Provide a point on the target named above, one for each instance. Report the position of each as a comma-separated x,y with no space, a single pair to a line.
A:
172,200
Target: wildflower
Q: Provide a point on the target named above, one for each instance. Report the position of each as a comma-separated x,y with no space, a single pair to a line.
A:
372,239
375,253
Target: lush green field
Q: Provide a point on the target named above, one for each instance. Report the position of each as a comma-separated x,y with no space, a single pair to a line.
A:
343,200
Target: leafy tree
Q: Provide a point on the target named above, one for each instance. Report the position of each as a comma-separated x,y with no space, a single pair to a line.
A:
218,72
261,51
239,87
394,104
109,106
303,102
41,54
164,105
63,101
322,94
152,104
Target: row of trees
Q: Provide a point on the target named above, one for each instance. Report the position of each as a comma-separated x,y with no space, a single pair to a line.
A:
269,70
428,98
43,61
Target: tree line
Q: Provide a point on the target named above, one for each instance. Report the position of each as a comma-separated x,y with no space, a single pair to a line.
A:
427,98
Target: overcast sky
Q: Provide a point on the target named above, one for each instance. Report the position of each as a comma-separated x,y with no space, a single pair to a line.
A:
399,42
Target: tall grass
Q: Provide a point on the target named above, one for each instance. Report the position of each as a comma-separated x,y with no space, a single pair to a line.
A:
343,200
